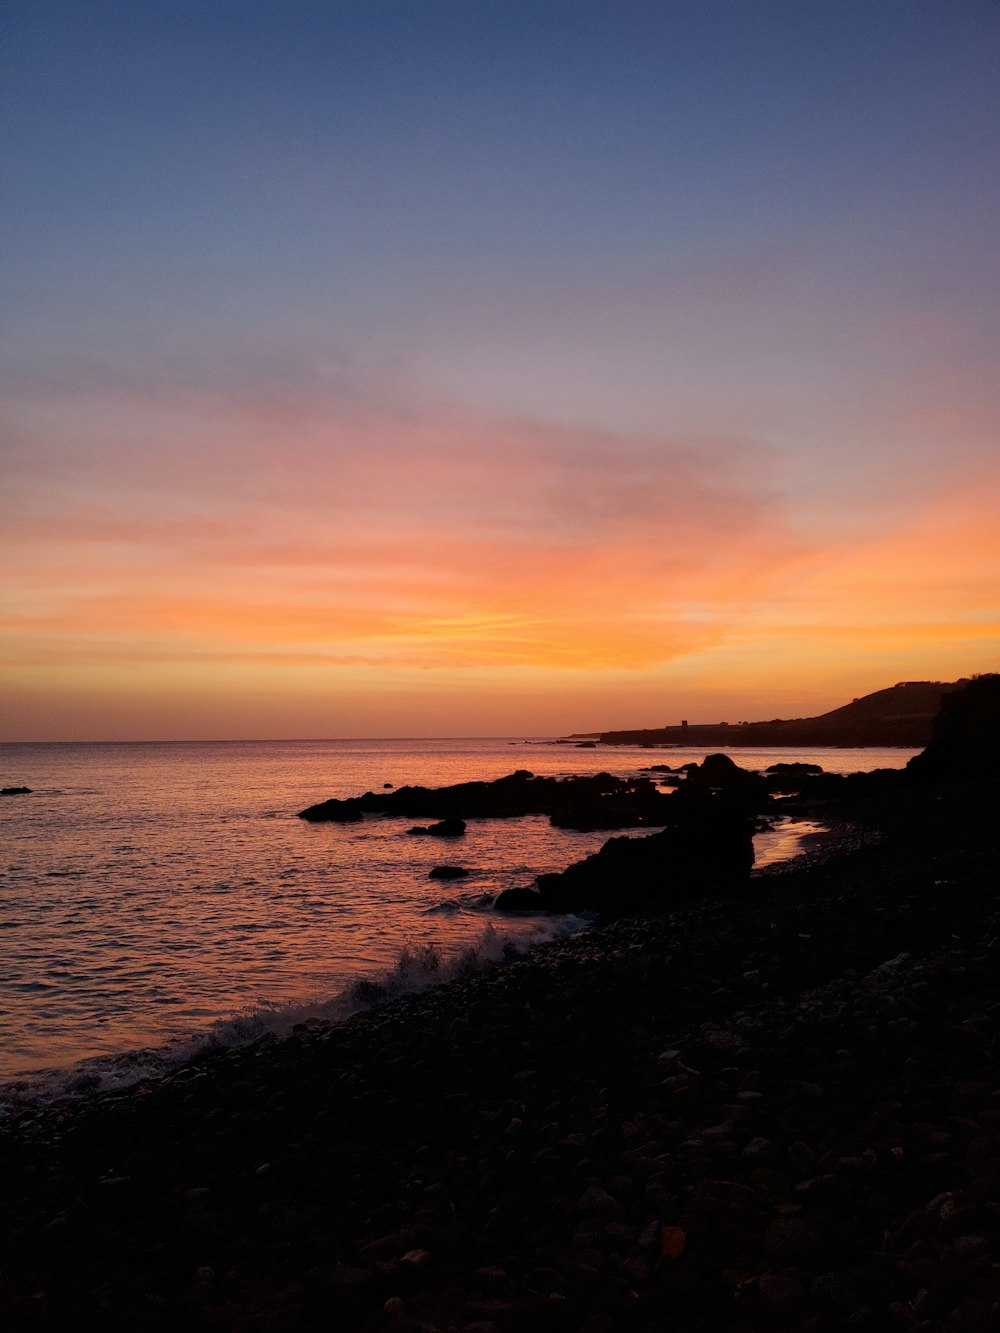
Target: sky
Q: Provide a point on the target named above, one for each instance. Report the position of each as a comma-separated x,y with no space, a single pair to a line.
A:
478,367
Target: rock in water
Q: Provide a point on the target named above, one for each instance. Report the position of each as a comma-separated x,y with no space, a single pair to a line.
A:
334,811
720,773
446,828
707,851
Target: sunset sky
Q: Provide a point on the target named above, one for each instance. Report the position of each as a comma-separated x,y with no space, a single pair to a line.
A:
474,367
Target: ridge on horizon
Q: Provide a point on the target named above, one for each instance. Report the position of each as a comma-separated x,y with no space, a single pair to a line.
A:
901,714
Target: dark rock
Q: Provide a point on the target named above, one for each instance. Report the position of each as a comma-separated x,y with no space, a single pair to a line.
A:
965,742
797,770
15,791
708,850
334,811
781,1292
446,828
598,801
598,1201
447,872
720,773
520,900
789,1240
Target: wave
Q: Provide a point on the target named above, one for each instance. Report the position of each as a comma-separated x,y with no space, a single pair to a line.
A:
416,968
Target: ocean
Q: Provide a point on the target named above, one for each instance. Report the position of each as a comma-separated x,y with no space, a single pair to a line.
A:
158,898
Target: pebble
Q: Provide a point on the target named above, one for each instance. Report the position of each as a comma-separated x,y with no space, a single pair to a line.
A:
783,1293
415,1258
597,1200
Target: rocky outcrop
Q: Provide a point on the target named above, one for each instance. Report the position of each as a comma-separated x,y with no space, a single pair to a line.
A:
598,801
707,850
446,828
717,772
965,744
15,791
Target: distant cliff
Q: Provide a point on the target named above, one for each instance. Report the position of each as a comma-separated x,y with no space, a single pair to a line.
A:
902,715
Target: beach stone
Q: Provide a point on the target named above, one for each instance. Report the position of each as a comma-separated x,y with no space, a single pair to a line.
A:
597,1323
344,1275
801,1159
596,1200
839,1292
780,1292
415,1258
790,1240
968,1247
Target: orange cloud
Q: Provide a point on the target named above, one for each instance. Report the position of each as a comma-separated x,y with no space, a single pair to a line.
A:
209,536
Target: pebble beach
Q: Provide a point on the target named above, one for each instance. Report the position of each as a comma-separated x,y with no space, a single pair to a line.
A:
776,1109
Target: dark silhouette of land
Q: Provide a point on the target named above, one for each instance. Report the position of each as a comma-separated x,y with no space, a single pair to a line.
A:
900,715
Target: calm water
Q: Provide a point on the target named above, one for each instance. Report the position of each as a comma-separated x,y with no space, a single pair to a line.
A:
149,892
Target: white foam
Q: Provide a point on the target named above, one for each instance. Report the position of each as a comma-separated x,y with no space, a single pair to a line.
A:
417,967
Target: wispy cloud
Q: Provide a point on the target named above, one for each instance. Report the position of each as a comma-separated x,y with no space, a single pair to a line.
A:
414,538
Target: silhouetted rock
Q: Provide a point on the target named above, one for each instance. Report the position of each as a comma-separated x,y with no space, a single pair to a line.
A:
598,801
797,770
446,828
520,900
965,744
334,811
448,872
635,804
707,850
15,791
720,773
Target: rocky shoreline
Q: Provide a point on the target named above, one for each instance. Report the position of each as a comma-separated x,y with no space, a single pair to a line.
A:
780,1109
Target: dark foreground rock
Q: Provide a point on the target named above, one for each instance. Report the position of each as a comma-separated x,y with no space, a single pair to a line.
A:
779,1110
15,791
706,851
965,743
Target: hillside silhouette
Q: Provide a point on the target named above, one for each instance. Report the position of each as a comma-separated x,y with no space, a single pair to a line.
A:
901,715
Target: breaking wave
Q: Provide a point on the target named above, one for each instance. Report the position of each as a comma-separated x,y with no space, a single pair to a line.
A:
416,968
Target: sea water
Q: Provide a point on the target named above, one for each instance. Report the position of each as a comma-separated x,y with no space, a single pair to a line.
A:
158,896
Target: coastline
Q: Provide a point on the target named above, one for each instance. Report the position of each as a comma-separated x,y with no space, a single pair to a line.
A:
758,1110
